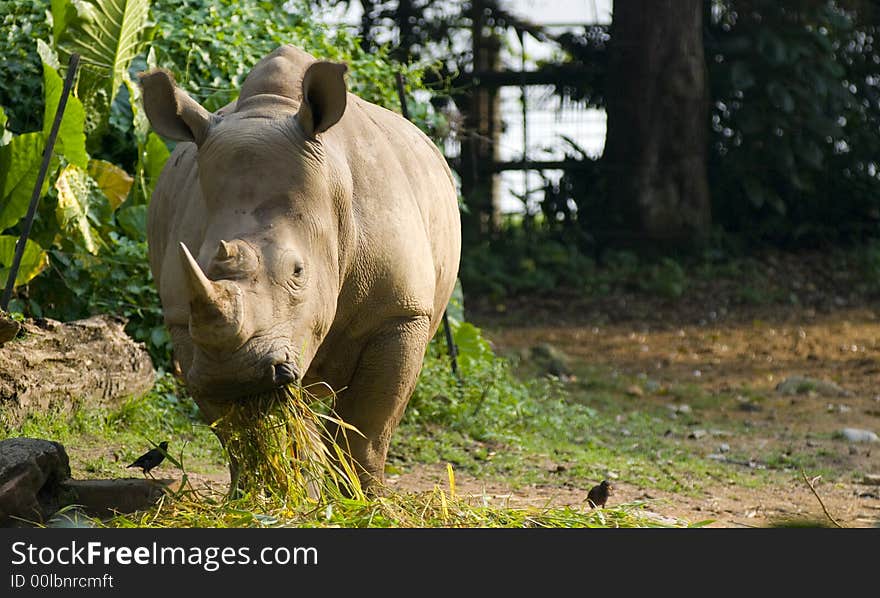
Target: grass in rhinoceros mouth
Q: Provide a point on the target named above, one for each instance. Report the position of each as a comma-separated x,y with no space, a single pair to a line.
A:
289,443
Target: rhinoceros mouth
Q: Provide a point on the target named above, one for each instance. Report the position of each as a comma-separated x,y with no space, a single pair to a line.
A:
229,380
285,373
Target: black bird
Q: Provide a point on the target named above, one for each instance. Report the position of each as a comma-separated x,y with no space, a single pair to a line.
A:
598,495
151,458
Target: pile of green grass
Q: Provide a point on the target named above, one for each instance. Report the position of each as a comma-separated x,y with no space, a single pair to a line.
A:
280,444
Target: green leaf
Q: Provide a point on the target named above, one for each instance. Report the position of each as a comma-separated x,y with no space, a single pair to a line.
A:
71,142
754,191
470,343
19,166
113,181
5,135
455,307
154,158
82,208
133,221
780,97
33,260
62,12
150,165
139,118
811,153
741,76
107,34
48,55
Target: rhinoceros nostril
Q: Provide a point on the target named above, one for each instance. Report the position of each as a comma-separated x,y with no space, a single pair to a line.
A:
285,373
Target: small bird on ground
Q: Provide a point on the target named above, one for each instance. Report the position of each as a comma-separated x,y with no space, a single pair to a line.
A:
151,458
598,495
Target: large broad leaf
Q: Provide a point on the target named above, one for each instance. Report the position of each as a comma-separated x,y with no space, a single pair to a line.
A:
82,208
19,166
71,142
107,34
62,13
133,221
153,155
113,181
154,159
33,260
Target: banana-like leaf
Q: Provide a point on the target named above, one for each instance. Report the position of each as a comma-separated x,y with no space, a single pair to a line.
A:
19,166
113,181
82,208
71,142
33,260
107,34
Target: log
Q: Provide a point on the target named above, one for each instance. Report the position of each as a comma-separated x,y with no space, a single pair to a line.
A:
64,366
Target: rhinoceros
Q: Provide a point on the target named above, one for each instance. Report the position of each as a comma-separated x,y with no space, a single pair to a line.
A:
301,234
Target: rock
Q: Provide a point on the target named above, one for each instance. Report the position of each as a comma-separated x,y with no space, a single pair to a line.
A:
105,497
871,479
31,473
653,386
550,360
724,447
697,434
799,385
635,391
857,435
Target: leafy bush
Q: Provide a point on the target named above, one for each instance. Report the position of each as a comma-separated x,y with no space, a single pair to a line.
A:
795,115
21,73
211,45
489,403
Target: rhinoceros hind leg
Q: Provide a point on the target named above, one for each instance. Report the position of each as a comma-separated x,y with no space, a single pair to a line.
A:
376,398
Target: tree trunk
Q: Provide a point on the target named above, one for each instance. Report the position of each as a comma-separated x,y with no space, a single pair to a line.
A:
65,365
656,147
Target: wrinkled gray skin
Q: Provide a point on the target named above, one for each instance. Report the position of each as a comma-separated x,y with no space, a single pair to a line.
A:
301,233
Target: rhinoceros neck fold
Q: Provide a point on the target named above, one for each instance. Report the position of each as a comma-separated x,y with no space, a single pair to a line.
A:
268,105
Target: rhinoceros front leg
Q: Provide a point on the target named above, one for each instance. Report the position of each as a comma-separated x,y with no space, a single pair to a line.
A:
382,384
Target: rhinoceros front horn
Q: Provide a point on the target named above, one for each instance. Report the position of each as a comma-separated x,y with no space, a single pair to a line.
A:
216,309
200,286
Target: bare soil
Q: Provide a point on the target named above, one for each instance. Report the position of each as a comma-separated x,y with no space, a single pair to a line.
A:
734,351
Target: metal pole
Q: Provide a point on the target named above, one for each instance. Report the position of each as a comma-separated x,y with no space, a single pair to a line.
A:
450,343
41,176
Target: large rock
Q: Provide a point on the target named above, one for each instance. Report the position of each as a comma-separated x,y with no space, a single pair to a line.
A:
103,498
58,365
31,473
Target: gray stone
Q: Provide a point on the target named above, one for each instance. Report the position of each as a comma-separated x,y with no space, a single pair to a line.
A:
857,435
550,360
31,472
106,497
799,385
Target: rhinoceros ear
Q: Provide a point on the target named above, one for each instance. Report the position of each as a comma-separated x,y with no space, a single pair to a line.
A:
171,111
324,95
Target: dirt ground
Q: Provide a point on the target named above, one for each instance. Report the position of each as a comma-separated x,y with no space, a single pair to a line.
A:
737,351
